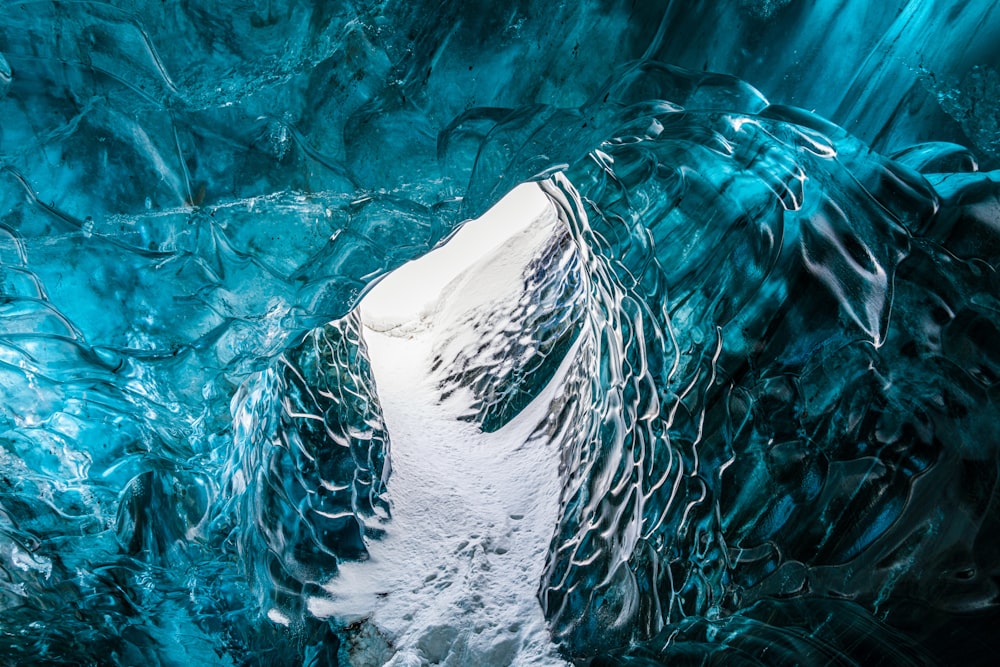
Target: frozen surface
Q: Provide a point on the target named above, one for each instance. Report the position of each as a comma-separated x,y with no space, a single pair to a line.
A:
454,580
411,296
763,335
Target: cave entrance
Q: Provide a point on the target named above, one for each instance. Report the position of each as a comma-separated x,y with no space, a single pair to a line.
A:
472,513
406,299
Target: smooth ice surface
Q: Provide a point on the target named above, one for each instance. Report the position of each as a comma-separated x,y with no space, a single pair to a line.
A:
762,335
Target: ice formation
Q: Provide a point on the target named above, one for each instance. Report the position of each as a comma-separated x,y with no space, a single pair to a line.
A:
740,373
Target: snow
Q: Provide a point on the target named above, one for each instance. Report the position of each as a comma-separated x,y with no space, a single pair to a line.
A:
455,579
410,293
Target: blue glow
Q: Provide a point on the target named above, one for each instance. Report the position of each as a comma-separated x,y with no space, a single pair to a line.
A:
774,282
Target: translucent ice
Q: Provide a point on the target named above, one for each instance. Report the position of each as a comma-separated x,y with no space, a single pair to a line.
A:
765,327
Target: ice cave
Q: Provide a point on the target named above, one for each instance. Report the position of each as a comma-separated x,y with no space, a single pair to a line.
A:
609,333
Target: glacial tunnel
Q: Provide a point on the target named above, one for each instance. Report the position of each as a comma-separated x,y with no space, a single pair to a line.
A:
720,389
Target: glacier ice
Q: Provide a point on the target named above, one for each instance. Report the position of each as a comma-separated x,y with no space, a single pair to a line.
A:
764,334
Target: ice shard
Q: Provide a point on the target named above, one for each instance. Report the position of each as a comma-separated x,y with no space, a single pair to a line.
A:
763,332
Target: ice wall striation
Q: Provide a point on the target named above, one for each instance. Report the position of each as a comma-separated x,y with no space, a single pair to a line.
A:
779,439
309,463
729,469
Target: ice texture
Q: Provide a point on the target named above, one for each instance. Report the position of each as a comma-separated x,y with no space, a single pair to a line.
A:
306,478
773,298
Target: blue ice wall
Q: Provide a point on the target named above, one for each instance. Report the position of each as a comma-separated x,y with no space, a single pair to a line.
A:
787,227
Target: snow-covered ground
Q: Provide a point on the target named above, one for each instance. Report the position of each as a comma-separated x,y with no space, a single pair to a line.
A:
455,579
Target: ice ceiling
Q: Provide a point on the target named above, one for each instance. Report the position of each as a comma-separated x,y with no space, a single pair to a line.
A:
778,440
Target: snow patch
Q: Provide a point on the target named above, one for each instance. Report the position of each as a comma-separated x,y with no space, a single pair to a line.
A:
405,299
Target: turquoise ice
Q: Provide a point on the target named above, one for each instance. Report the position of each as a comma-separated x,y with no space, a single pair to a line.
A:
776,285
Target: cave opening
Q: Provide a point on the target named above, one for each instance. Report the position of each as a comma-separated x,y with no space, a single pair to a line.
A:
473,511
